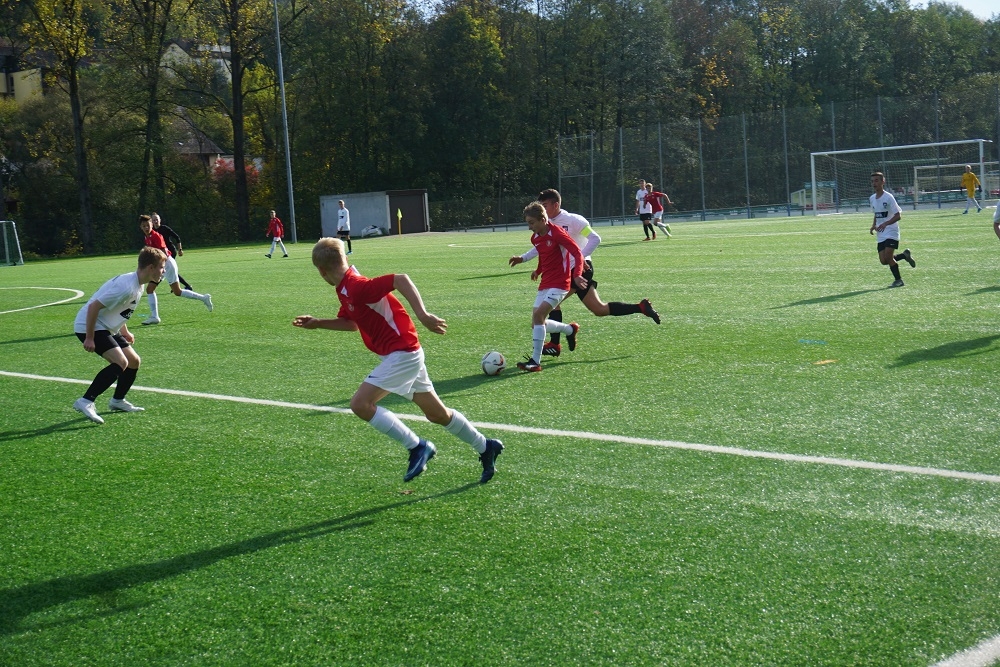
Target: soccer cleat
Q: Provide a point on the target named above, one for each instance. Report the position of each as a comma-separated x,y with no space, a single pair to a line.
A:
906,256
151,320
419,456
647,309
647,239
896,283
286,255
494,448
551,350
571,337
654,236
88,409
666,228
348,252
121,405
965,212
208,302
268,255
529,365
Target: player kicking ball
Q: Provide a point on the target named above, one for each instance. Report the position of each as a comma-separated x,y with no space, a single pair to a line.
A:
368,306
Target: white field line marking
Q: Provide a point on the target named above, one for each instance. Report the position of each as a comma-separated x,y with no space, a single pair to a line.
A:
984,654
76,295
582,435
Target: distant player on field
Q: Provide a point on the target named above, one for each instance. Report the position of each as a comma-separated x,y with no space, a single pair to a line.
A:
275,232
344,224
886,222
587,239
970,182
368,306
644,210
654,199
102,326
173,241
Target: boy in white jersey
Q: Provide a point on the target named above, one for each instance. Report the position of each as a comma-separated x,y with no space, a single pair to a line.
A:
886,222
583,234
368,306
101,325
644,210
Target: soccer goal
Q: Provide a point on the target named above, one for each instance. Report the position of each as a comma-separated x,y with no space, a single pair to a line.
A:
10,247
917,174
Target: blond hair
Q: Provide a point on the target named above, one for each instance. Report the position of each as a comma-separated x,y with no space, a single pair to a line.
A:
150,257
536,211
328,253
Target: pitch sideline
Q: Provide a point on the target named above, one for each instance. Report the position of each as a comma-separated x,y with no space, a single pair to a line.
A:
582,435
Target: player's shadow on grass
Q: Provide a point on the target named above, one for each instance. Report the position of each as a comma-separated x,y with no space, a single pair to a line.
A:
826,299
20,602
38,339
62,427
961,348
506,274
985,290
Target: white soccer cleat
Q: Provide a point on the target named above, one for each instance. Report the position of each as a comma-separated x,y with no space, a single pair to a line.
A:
208,302
88,409
121,405
151,320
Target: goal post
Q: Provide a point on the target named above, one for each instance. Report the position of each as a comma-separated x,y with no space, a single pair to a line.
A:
10,246
847,173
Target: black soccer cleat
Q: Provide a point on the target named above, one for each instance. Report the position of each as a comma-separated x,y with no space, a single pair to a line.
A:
647,309
494,448
419,456
906,256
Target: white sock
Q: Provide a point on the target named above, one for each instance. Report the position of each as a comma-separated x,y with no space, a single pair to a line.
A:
537,341
389,424
273,243
460,427
551,326
154,306
188,294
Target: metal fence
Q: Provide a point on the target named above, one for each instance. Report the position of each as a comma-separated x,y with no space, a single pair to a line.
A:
738,166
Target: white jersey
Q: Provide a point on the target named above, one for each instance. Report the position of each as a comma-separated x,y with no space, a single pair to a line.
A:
884,208
343,220
578,228
120,295
640,201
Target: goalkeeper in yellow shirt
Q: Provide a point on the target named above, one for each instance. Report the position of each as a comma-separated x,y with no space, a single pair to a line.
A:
970,182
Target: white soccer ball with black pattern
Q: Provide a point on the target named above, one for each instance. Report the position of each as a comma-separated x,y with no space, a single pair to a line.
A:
493,363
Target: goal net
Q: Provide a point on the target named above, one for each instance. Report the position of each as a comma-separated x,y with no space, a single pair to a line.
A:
918,174
10,247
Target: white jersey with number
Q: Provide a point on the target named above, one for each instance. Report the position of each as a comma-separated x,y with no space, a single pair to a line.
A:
640,201
885,207
120,295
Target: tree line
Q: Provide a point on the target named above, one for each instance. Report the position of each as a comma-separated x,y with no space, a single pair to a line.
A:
462,97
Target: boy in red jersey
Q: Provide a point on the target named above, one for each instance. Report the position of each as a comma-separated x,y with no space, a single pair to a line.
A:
368,306
653,198
275,231
560,265
155,240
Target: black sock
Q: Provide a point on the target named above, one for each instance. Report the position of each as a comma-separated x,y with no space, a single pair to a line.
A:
125,381
102,381
899,257
184,282
895,271
645,229
557,316
349,244
617,308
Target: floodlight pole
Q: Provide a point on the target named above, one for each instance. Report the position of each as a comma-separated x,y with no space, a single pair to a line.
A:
284,124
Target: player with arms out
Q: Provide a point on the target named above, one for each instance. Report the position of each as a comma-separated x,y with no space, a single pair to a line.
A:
579,229
886,222
102,326
368,306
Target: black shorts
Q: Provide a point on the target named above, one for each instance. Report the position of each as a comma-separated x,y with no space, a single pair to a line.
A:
645,216
343,232
588,273
104,340
888,243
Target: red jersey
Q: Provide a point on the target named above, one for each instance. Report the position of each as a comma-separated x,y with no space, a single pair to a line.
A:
383,322
155,240
275,229
653,199
559,258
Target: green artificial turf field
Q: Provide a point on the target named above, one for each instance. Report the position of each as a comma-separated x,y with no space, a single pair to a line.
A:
845,509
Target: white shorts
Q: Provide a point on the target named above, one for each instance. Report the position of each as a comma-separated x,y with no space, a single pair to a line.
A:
402,373
551,296
170,275
658,215
343,229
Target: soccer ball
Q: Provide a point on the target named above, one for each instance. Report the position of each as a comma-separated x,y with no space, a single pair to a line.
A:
493,363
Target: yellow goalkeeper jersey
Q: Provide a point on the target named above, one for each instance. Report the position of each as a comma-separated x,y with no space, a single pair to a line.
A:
969,182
